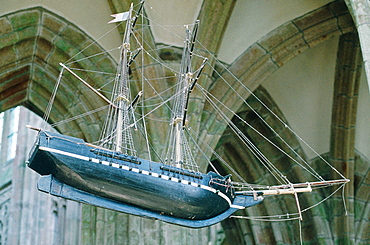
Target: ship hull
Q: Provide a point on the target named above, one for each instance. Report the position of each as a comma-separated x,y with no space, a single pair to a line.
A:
145,188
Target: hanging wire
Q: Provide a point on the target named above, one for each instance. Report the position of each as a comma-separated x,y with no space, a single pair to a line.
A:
52,98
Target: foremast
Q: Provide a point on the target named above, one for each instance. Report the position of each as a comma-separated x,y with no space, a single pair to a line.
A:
179,151
117,133
122,97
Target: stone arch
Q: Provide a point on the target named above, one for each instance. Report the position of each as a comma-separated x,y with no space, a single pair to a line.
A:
32,43
270,53
251,68
234,152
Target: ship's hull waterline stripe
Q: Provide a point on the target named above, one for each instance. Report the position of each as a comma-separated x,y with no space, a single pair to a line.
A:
165,177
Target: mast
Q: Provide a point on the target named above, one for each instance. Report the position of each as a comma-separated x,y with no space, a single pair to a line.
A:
186,83
117,131
122,98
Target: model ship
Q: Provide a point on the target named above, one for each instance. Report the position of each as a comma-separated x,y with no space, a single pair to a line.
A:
110,174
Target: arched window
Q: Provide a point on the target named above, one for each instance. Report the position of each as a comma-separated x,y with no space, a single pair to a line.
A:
9,122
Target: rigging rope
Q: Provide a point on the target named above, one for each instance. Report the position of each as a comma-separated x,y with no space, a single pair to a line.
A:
142,102
244,138
254,150
280,217
265,106
92,43
79,116
52,98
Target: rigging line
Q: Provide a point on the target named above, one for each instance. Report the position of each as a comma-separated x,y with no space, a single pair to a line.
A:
270,167
107,138
307,167
149,106
163,103
106,84
323,200
142,102
192,165
95,41
99,72
161,25
151,21
144,42
344,202
216,155
264,105
311,171
159,60
78,116
158,94
264,219
160,47
293,214
167,155
151,118
300,231
265,216
268,218
158,120
91,56
150,145
254,150
153,79
52,98
241,186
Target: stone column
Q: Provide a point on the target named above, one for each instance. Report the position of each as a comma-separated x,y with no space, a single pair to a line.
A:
360,11
342,148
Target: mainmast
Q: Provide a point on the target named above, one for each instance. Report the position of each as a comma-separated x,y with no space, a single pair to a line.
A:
186,83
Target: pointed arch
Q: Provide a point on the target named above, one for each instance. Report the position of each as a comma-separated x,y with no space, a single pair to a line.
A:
270,53
32,44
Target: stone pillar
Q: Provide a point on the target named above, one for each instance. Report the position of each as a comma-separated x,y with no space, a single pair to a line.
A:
360,11
35,217
342,149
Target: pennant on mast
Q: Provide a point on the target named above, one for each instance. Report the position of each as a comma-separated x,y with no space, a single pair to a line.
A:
119,17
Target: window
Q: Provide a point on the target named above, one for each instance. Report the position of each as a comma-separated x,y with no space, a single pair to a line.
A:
9,121
13,133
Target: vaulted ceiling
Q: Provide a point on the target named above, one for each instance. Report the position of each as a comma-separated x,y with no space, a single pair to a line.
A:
34,40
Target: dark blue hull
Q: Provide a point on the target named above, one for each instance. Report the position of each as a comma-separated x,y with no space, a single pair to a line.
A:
92,175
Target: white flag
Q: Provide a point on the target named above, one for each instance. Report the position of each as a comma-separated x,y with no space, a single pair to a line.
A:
119,17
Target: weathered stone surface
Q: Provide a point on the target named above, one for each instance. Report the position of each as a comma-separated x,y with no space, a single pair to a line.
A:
52,23
31,38
6,26
25,19
314,18
279,36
